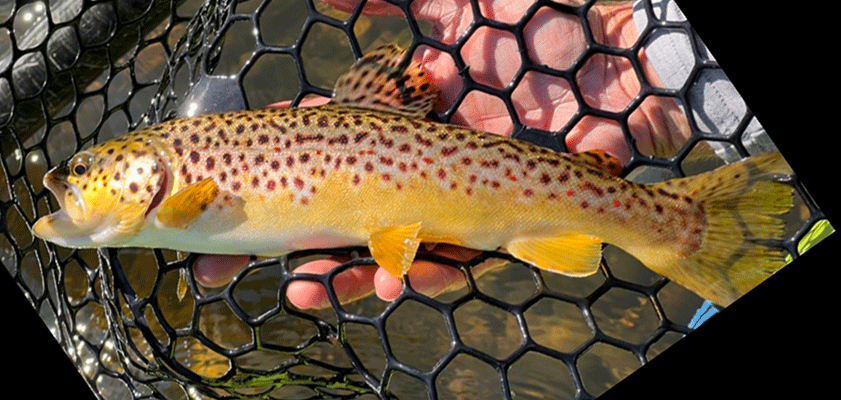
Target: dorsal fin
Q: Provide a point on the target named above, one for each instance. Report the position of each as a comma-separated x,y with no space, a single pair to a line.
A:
375,82
600,160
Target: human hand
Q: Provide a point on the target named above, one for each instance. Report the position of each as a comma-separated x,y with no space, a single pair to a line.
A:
541,101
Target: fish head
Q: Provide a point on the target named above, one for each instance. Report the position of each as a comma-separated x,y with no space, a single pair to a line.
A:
105,193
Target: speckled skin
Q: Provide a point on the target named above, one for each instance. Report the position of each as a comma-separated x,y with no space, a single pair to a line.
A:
329,176
366,169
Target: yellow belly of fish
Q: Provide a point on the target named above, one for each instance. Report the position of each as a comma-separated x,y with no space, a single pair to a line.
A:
340,214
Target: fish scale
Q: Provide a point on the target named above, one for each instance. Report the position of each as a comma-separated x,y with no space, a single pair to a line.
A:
367,169
286,155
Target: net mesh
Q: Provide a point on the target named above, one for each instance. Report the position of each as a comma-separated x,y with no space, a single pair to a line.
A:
74,73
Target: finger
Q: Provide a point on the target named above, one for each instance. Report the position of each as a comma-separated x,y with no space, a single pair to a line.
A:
425,277
349,285
432,279
593,133
214,271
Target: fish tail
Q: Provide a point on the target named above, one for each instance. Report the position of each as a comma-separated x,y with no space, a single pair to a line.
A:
741,244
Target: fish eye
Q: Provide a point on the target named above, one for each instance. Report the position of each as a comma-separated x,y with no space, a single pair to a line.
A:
80,164
80,169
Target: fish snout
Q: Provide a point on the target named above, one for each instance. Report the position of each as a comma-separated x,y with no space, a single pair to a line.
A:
56,179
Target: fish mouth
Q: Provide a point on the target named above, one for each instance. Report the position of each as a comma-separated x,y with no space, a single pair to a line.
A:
63,226
56,182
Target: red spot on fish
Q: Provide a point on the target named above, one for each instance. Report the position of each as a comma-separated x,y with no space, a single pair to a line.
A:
512,178
570,192
427,160
616,203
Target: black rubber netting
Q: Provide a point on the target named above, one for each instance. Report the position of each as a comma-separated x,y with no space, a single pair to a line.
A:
77,72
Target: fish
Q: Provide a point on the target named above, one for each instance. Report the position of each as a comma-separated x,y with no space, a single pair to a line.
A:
369,169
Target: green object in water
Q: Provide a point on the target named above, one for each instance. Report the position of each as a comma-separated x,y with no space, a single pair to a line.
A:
819,231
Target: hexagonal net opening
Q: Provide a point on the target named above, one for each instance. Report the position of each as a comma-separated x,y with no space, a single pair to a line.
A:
543,72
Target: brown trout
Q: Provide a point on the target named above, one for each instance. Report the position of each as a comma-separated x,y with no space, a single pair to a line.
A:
367,169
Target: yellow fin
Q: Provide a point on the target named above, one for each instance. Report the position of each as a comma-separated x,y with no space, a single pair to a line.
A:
743,203
182,208
571,254
394,247
376,82
600,160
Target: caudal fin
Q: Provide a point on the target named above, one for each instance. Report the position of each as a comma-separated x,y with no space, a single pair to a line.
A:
742,202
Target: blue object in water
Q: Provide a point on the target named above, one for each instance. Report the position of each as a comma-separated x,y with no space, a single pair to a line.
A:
706,311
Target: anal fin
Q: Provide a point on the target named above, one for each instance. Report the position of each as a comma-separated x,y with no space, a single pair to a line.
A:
182,208
572,254
394,247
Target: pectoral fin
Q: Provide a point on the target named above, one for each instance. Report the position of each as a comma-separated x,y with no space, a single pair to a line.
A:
572,254
394,247
181,209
